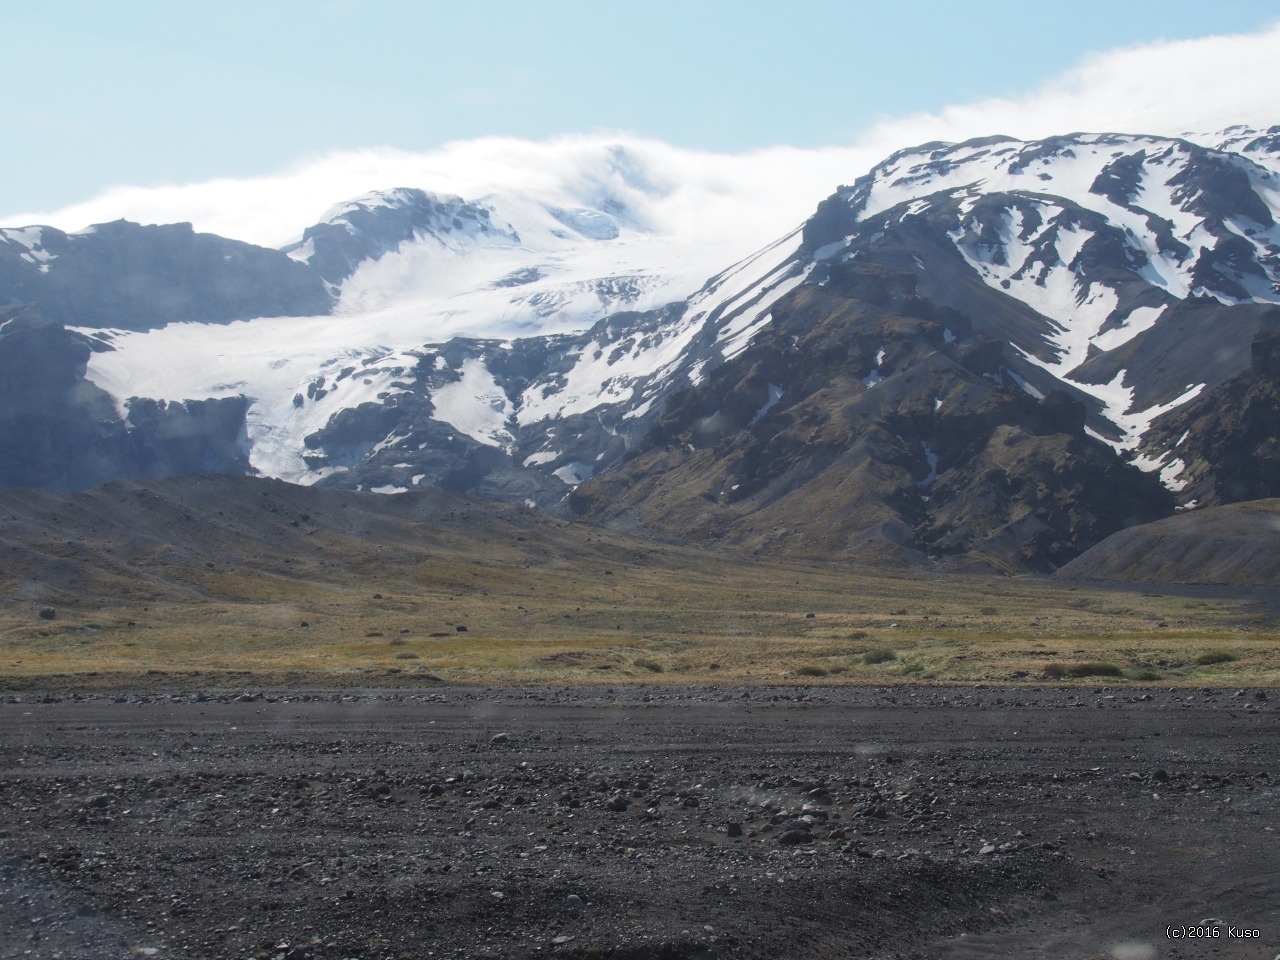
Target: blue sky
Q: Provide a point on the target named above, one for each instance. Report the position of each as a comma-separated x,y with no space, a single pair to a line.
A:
146,93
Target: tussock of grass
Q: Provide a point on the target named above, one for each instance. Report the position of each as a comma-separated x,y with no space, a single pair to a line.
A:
1211,657
1144,674
812,670
879,655
653,666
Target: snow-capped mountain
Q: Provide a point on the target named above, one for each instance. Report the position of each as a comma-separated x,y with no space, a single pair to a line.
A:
1260,146
1106,260
506,265
876,411
482,323
357,314
519,347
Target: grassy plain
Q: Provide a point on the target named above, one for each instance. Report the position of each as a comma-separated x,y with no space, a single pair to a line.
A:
236,581
605,609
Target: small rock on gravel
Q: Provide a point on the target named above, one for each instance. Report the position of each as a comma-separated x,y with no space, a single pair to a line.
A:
795,836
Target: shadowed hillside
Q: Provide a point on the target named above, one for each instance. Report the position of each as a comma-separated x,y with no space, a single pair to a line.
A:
1236,545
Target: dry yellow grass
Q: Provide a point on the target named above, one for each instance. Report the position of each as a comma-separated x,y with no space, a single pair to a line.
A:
660,615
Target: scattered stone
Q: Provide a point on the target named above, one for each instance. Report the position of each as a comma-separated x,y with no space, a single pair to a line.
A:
386,834
795,836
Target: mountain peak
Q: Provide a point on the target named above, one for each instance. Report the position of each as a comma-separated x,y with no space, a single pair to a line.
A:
375,224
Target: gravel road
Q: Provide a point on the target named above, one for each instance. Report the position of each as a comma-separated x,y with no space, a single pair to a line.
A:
641,823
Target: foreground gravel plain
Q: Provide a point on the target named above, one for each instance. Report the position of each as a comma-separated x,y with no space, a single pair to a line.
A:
636,822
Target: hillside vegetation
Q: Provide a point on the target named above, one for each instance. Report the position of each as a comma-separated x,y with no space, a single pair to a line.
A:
226,581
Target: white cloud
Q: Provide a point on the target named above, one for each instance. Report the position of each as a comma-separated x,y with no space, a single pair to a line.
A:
694,196
1165,88
738,202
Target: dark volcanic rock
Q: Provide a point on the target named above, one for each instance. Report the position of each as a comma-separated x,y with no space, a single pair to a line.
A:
135,277
60,431
1227,438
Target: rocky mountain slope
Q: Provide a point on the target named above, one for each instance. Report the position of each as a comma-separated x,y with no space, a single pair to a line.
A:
519,348
1223,445
125,276
1105,261
864,421
1132,296
62,431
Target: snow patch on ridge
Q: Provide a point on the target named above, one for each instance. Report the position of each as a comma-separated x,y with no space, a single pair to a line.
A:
476,406
537,459
572,474
1117,401
32,239
775,394
1070,167
1170,470
1140,320
1154,197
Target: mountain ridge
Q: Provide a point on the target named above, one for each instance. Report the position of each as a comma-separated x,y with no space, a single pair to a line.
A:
1129,273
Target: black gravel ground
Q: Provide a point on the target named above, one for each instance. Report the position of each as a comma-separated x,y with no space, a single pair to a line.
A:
641,823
